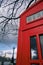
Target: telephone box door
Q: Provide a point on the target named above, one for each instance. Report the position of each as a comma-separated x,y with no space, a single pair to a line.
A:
32,46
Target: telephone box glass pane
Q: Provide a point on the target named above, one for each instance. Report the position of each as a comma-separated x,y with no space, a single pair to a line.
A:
33,46
34,64
41,41
34,16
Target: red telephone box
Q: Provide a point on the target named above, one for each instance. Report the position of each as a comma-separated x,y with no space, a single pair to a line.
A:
30,39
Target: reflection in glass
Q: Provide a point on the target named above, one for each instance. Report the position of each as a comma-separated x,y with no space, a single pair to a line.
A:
41,41
33,47
34,64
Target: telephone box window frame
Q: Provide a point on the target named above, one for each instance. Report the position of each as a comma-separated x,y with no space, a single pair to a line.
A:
31,20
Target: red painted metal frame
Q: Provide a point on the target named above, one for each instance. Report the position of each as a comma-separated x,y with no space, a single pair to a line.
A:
26,46
25,31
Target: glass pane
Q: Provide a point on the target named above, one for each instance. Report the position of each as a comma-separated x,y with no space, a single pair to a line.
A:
29,18
33,47
38,15
34,64
34,16
41,41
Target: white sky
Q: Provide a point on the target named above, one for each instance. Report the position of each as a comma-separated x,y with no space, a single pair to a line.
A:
9,53
10,40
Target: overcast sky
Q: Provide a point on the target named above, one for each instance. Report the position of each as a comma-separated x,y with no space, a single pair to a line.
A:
8,41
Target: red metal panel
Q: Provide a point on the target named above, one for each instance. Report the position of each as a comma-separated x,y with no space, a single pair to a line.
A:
36,8
33,24
19,48
24,46
27,30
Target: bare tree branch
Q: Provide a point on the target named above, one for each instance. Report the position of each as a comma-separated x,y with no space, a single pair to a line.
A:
10,17
1,2
11,3
30,3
